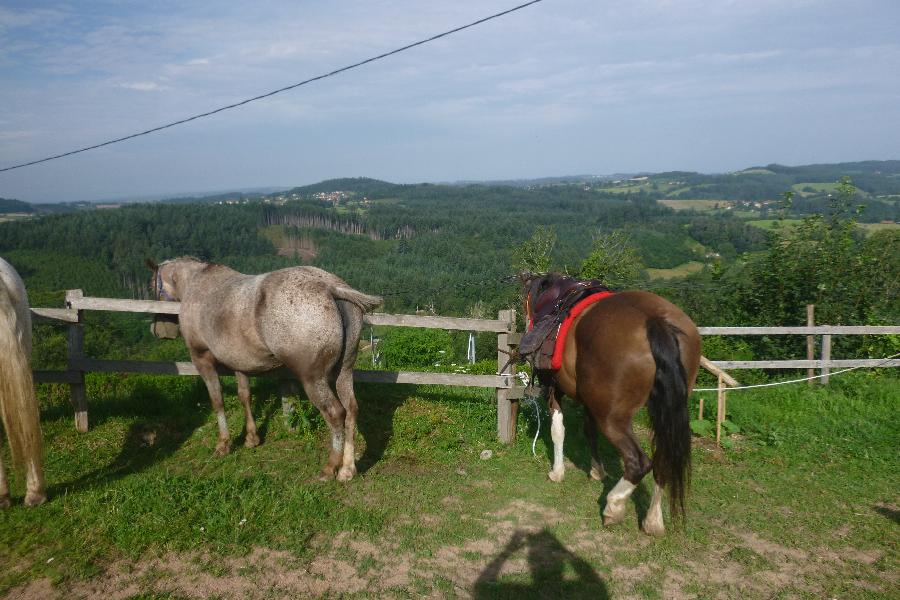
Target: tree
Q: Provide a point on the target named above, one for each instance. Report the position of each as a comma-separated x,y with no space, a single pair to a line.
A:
533,256
613,260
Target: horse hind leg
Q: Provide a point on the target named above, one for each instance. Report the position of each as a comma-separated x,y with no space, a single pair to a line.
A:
319,393
251,440
636,463
597,472
653,522
348,401
352,319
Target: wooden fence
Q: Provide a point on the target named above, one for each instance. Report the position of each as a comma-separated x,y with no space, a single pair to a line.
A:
508,390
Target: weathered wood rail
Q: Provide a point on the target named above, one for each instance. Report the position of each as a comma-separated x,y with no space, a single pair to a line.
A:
506,385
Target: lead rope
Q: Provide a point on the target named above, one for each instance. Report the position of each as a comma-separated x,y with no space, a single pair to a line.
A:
532,398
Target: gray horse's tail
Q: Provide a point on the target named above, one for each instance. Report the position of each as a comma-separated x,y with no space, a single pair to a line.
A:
363,301
19,409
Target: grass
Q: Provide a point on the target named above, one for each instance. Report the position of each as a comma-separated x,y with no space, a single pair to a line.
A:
804,504
768,224
697,204
870,228
682,270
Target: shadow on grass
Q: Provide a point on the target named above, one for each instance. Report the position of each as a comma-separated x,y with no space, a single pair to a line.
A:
547,560
377,405
888,512
162,425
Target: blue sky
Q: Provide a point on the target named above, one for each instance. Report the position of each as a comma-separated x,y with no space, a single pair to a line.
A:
562,87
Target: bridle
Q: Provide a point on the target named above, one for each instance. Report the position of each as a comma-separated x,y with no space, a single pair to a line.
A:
161,293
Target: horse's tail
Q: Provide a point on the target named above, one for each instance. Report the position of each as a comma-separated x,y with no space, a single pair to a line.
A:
668,409
351,304
363,301
18,405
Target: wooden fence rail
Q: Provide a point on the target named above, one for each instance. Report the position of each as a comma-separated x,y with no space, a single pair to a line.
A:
508,390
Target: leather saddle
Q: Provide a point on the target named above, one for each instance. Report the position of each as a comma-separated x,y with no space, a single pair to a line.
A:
549,310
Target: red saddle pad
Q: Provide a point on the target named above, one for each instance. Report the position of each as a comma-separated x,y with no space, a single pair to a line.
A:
556,361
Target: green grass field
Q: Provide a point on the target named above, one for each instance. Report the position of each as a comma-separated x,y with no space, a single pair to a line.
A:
682,270
699,205
818,187
804,504
871,228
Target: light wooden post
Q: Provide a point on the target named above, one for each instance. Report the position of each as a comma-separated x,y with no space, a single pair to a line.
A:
507,407
289,391
810,341
720,408
78,395
826,357
700,412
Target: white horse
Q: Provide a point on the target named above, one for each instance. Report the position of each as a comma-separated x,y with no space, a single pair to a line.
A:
18,405
303,318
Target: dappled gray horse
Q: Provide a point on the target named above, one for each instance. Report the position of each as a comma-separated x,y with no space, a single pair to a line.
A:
303,318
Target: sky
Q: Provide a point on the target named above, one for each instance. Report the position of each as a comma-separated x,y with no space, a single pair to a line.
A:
562,87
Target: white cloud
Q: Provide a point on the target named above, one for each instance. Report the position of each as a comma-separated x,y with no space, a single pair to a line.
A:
141,86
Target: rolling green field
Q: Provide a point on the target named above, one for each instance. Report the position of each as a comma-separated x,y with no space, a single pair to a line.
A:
804,503
682,270
699,205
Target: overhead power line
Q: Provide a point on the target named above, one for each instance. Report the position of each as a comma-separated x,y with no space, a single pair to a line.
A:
278,91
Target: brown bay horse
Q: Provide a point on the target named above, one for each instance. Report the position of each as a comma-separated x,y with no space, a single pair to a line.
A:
302,318
628,349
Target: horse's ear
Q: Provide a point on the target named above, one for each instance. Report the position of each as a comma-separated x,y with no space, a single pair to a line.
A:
153,266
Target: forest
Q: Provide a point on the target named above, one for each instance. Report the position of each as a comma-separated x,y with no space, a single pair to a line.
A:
451,249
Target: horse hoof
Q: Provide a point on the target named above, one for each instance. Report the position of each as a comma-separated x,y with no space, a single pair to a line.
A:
251,441
35,499
346,474
556,476
597,474
221,449
653,529
611,518
5,501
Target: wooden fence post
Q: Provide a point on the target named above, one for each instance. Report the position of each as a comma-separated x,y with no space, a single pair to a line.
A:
826,357
78,395
720,409
507,408
810,341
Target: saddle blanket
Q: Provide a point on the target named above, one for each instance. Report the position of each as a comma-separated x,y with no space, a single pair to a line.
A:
559,347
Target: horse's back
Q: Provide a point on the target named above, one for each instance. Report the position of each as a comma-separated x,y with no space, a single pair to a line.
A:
610,340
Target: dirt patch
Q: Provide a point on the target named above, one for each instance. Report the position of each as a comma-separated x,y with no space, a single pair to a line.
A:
518,544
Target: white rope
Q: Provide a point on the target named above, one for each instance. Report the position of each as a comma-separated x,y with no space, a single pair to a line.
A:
762,385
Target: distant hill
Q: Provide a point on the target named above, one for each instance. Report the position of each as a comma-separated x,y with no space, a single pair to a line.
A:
8,205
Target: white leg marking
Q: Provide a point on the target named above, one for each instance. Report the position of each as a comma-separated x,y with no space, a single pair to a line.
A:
223,425
348,468
558,435
337,441
615,502
34,487
653,522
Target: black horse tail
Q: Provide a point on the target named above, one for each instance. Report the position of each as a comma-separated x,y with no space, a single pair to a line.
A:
668,409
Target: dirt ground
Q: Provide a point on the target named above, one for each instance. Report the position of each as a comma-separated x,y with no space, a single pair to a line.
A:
518,544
